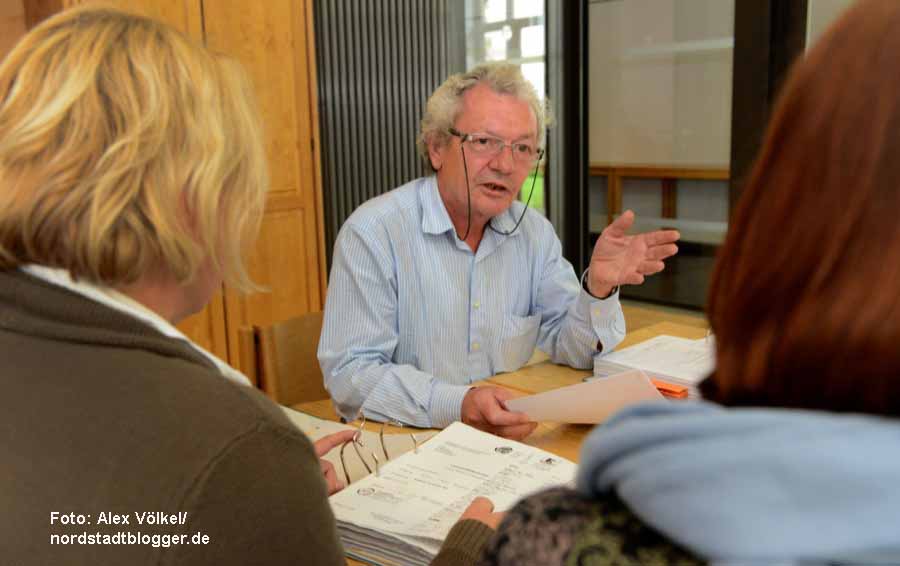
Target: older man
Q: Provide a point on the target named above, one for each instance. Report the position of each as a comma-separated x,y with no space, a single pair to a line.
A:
446,281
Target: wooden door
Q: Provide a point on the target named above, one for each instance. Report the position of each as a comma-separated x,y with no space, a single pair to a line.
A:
12,24
273,41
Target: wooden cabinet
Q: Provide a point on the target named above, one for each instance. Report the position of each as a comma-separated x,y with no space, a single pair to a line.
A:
12,24
273,40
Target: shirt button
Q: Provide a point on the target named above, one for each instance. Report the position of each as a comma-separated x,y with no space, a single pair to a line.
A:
596,312
477,304
476,346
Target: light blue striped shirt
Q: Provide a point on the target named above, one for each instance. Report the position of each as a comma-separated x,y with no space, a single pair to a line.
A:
413,316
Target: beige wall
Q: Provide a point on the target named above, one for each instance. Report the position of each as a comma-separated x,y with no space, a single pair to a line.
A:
820,14
12,24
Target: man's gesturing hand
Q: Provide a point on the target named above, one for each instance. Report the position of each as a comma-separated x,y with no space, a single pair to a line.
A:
619,259
483,408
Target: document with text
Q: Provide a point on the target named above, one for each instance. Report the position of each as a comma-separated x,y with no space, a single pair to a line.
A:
402,514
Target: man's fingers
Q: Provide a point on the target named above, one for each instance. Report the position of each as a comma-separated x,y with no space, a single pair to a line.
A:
499,417
650,267
660,237
503,394
516,432
634,279
326,443
494,408
620,225
661,252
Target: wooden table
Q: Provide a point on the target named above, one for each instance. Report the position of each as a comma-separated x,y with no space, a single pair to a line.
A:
559,438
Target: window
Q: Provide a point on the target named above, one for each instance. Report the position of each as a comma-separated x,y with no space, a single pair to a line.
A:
512,31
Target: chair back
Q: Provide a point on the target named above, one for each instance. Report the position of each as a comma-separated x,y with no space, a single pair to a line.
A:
281,359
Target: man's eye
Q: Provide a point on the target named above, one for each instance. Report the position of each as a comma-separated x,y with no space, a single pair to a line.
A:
482,141
524,149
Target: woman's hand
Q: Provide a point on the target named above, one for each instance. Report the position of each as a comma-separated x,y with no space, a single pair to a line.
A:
323,446
482,509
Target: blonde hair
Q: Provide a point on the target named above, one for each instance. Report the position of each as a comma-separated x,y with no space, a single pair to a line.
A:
445,103
126,147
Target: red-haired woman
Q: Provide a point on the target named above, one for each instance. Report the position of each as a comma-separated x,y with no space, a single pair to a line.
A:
799,458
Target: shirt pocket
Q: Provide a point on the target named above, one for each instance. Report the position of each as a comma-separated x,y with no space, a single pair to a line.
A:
518,341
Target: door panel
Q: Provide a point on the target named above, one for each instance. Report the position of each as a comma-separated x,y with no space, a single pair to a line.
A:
270,40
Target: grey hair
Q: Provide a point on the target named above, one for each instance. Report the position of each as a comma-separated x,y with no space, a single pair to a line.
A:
445,103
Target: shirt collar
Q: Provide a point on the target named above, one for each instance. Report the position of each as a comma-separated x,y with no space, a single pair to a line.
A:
506,220
436,219
123,303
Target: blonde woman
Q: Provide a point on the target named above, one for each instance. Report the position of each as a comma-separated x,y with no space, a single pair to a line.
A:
132,178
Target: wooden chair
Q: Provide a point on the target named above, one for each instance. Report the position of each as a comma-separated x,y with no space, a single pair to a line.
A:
281,359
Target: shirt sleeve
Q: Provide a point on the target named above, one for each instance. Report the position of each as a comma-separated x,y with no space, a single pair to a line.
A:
574,325
360,333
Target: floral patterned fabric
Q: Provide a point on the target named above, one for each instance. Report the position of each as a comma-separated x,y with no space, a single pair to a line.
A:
560,527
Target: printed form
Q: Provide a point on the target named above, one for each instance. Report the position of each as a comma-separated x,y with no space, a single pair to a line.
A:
419,496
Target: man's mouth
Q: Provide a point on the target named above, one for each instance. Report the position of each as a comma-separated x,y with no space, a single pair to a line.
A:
494,187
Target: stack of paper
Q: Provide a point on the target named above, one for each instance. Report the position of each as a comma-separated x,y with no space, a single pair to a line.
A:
669,358
403,514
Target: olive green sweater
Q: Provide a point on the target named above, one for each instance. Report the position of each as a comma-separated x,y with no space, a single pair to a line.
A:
107,420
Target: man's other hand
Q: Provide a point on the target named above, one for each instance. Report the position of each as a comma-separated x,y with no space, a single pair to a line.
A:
485,409
619,259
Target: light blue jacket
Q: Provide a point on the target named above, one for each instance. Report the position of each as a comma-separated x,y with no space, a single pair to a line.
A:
754,485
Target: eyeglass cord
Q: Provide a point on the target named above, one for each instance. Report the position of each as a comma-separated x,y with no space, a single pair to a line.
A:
490,223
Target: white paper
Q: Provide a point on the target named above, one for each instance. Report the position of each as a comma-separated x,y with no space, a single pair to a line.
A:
670,358
418,497
587,403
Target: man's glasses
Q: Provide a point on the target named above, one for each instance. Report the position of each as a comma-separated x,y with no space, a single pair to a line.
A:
485,145
369,458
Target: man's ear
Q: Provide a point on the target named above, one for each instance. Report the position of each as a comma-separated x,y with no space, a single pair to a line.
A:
436,155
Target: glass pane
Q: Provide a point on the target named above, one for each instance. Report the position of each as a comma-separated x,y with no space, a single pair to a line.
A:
660,129
521,41
537,200
528,8
494,11
495,44
531,41
534,72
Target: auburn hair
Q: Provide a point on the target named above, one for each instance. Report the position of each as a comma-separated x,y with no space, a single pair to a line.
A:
805,295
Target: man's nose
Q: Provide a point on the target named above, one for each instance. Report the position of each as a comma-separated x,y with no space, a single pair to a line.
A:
503,160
